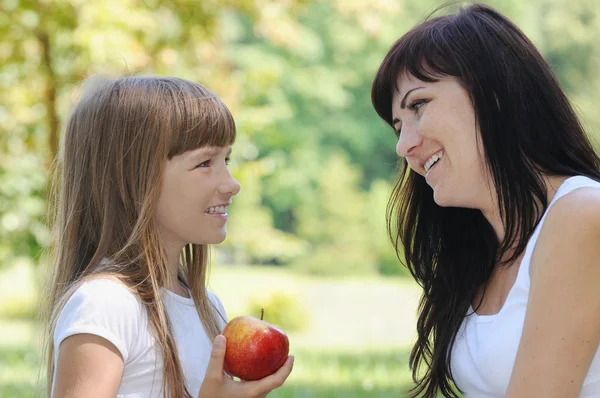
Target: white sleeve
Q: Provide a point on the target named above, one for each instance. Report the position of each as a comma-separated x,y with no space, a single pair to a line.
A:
104,308
222,314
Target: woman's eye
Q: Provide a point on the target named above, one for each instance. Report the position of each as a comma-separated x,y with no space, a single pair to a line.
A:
417,104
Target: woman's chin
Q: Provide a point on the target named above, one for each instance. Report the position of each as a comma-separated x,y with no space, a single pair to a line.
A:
442,200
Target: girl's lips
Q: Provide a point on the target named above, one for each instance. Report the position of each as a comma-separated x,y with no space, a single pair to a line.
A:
219,216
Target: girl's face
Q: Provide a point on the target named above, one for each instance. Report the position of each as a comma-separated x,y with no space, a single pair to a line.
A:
438,138
197,188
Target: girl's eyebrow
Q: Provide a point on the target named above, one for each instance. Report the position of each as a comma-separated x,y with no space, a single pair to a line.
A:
206,151
209,151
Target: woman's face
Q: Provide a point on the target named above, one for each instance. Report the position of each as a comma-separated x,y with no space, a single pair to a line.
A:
438,137
197,188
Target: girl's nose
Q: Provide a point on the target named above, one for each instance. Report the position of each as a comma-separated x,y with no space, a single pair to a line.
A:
231,186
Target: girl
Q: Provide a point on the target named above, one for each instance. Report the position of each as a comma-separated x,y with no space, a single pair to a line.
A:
142,190
497,213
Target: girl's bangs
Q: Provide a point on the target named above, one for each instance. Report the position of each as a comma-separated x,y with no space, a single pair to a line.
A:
201,121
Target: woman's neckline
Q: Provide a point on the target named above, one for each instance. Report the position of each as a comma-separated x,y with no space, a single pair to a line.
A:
491,317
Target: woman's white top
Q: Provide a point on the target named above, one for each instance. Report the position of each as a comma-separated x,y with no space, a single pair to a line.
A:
106,308
485,349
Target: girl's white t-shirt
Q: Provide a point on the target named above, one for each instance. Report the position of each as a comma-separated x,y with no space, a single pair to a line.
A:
106,308
486,346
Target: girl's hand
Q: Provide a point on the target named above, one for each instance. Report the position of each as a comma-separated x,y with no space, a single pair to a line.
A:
218,385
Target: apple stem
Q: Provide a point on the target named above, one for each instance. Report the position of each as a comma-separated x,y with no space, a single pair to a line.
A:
262,313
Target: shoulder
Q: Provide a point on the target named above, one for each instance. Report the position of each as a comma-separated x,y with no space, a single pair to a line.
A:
106,292
580,206
106,283
102,307
570,236
214,299
563,309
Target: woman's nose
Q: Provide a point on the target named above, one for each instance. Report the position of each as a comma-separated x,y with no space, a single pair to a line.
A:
408,140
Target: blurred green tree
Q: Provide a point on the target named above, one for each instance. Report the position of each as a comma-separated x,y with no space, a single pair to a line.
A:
296,75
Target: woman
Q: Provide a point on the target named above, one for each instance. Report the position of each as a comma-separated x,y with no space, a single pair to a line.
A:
497,214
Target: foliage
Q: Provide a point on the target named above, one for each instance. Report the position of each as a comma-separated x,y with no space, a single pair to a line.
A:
281,309
315,162
19,295
19,307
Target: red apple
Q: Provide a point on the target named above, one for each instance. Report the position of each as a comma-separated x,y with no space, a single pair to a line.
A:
255,348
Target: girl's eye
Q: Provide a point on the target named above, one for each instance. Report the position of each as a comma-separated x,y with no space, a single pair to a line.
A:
207,163
397,131
416,105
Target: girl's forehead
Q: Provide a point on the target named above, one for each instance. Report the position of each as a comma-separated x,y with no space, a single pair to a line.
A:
210,150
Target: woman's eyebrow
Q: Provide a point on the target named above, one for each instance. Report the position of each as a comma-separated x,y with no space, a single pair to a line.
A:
403,102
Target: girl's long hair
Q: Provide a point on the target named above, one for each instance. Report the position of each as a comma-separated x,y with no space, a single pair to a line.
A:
528,130
108,177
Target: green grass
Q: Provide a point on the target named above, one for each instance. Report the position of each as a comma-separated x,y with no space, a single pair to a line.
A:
347,374
321,374
355,342
19,359
349,313
19,371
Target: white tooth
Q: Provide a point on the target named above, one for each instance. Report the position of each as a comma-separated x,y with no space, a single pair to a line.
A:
221,209
212,210
432,160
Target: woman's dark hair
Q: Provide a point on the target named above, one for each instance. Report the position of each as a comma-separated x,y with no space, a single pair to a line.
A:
528,129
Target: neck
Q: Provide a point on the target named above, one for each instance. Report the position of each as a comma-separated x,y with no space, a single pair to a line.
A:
172,283
492,212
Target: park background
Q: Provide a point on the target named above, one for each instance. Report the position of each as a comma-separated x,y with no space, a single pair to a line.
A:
307,238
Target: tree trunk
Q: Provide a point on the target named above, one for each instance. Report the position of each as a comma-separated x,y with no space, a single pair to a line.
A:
49,93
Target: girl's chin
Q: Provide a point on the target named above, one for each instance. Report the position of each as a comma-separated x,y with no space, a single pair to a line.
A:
211,240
